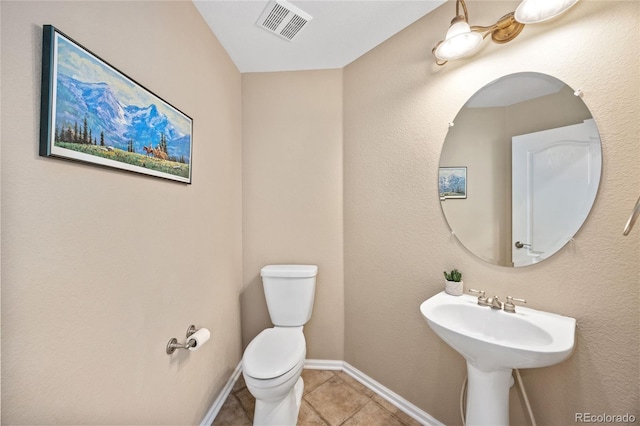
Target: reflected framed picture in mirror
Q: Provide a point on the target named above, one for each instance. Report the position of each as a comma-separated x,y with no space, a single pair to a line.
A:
452,182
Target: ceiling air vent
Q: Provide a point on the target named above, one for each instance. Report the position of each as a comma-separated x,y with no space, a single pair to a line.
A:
284,19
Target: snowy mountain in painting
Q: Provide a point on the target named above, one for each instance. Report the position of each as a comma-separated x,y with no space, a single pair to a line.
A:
451,184
120,123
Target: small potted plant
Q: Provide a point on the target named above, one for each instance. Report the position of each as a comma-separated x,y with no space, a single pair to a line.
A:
453,284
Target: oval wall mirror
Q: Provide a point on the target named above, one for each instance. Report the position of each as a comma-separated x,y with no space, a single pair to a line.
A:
520,169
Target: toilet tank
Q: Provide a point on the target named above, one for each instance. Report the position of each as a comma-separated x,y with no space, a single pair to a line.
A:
289,290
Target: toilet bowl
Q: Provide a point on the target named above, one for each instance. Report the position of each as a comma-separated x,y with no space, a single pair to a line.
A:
271,367
272,363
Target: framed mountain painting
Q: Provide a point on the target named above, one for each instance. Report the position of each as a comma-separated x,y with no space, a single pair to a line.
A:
93,113
452,182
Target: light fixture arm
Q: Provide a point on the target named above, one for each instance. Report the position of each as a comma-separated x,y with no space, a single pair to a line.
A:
464,9
503,31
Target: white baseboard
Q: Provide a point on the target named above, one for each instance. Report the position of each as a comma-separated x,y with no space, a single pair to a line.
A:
399,402
321,364
222,397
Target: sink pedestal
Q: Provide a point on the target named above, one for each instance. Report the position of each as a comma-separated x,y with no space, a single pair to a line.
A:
488,397
495,342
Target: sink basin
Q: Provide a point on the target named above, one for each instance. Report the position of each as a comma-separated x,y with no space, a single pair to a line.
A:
492,339
493,342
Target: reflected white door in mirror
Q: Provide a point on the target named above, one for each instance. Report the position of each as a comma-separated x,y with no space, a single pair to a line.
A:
532,161
554,175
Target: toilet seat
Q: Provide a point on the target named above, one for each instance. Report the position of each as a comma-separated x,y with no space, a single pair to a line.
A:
274,352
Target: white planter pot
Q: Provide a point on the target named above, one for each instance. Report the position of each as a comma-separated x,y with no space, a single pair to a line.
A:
454,288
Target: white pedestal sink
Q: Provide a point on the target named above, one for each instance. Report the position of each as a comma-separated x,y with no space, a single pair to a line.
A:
493,342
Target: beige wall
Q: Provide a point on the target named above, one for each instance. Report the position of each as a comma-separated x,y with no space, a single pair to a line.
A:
397,104
100,268
478,142
292,195
75,264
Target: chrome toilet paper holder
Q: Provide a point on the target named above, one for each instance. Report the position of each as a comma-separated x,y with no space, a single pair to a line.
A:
173,343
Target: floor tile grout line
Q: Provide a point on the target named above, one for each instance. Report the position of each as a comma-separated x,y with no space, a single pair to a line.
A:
370,400
309,392
244,410
357,411
340,379
344,383
328,422
373,401
240,404
319,384
304,398
317,412
388,411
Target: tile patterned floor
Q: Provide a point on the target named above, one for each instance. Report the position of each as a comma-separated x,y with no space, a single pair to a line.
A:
331,398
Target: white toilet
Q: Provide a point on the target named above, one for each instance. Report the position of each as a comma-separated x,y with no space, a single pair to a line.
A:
273,361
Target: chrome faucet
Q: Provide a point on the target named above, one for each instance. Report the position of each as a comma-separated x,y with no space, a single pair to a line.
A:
494,302
482,299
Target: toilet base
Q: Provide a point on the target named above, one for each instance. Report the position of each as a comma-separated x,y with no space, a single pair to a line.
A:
283,412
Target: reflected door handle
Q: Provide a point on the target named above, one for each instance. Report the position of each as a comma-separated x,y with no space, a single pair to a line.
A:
519,245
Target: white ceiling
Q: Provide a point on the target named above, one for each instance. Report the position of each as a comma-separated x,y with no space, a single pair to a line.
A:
340,31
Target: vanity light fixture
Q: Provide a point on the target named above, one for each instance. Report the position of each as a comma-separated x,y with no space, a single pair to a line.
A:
536,11
463,40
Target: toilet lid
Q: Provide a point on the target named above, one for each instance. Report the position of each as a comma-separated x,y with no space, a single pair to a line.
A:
274,352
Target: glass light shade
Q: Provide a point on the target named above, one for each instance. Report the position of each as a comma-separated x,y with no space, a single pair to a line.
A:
459,42
535,11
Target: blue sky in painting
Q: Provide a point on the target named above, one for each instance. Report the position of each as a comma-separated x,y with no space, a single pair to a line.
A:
76,63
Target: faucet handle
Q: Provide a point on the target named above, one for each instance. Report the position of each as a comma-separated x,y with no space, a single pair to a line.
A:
482,298
509,306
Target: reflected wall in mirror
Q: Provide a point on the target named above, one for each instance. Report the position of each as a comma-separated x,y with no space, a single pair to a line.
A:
533,158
